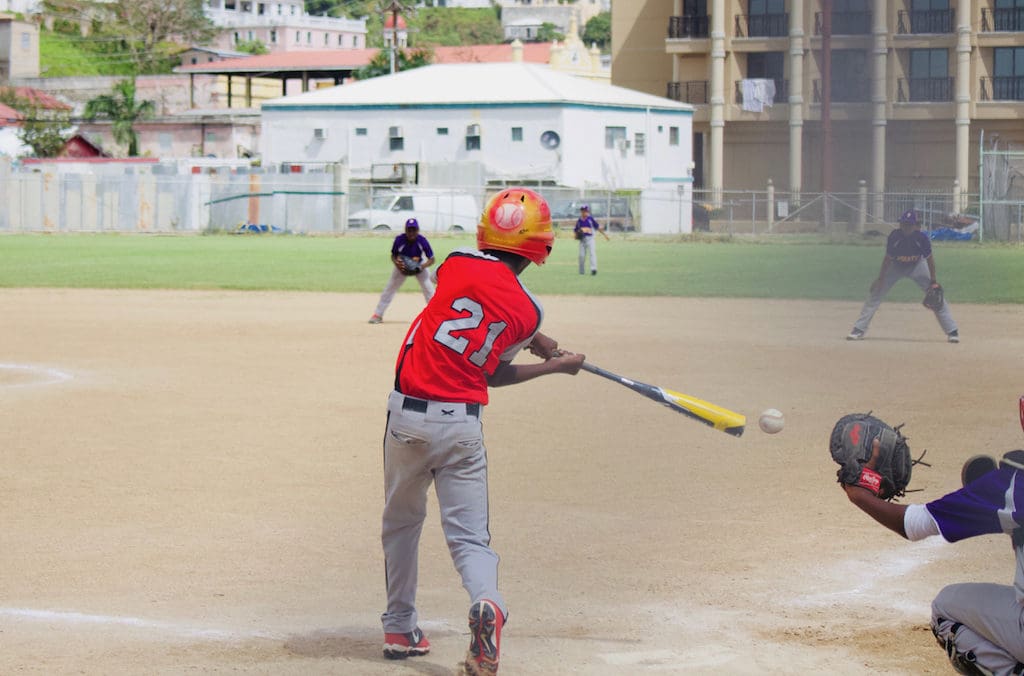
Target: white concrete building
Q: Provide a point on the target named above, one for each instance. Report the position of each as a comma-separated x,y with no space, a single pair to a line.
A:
281,25
517,121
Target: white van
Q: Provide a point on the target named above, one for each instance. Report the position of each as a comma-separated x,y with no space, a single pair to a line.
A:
436,211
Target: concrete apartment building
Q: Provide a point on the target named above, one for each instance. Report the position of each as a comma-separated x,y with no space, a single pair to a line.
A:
913,83
282,26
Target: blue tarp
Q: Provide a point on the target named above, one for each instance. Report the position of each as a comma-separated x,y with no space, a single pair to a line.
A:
950,234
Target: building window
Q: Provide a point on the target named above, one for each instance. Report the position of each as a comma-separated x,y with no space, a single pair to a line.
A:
765,18
1008,74
327,39
194,60
849,17
360,131
309,37
298,37
236,38
929,75
928,16
395,138
442,131
517,134
673,136
26,40
273,37
341,40
613,136
473,137
850,80
639,143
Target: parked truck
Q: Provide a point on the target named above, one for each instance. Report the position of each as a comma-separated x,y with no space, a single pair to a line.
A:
435,210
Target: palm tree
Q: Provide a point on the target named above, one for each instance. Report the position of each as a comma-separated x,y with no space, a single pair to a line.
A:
123,111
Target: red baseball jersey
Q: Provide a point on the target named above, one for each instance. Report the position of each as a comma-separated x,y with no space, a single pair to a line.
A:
480,314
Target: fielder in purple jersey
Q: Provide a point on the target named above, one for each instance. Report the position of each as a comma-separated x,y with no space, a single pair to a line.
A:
412,245
908,253
979,625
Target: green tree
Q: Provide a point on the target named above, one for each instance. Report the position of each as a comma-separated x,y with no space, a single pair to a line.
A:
44,130
252,47
151,30
405,59
121,108
452,27
548,32
599,31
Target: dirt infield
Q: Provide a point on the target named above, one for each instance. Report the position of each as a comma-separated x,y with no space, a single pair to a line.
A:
191,481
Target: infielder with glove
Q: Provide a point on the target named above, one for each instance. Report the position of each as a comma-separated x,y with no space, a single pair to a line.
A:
463,342
411,255
586,228
908,253
980,626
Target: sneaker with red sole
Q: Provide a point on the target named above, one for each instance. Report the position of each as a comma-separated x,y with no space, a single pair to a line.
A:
410,644
485,622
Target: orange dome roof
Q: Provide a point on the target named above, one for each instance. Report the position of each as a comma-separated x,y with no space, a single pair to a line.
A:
389,21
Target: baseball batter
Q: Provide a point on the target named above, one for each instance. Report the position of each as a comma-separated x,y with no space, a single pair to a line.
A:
979,625
908,253
411,255
463,342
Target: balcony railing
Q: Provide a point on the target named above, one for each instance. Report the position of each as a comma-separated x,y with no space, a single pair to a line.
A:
925,89
694,91
850,91
845,23
762,25
1002,88
781,91
926,21
688,26
1009,19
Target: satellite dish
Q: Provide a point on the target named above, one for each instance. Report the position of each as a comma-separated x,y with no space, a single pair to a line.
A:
550,140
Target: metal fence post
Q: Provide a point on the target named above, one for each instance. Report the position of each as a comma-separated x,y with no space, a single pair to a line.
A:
862,205
771,205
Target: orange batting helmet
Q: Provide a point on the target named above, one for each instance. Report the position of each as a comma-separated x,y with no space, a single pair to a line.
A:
517,220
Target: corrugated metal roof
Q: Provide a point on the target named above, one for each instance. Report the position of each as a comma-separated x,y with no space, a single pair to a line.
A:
475,84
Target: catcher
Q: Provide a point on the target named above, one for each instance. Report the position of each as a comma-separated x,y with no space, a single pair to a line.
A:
980,626
411,255
908,253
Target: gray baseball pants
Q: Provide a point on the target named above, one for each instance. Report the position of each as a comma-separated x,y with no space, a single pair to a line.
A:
588,247
441,443
395,283
991,624
921,276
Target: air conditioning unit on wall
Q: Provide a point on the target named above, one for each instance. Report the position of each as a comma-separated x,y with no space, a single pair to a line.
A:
319,133
624,144
394,132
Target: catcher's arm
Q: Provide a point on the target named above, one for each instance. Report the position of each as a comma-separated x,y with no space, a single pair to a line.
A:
889,514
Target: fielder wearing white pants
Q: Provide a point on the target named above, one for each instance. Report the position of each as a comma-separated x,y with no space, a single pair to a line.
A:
588,247
395,283
441,443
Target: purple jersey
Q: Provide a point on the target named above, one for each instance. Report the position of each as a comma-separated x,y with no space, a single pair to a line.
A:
994,503
418,248
908,248
583,223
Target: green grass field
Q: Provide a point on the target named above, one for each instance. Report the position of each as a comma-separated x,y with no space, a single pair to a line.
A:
791,269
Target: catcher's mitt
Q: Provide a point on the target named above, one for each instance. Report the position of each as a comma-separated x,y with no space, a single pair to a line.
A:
933,297
851,445
409,266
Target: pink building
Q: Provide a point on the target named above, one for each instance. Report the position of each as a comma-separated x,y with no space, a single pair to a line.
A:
282,26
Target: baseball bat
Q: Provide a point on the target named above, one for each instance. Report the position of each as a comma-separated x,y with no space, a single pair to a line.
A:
721,419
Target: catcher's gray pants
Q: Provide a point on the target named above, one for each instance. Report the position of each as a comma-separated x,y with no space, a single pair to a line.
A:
441,443
395,283
588,247
921,276
992,625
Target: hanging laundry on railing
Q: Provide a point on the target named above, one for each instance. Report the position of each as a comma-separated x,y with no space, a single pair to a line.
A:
757,93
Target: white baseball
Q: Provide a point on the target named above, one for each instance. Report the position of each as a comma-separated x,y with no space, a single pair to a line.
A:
508,216
771,421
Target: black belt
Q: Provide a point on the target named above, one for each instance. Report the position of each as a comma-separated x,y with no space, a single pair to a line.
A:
420,406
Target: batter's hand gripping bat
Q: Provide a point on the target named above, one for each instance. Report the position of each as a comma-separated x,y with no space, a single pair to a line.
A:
720,418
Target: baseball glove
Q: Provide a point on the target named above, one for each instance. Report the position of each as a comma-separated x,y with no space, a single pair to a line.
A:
851,446
409,266
933,297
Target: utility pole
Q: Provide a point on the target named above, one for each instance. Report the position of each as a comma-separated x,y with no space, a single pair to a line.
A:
395,7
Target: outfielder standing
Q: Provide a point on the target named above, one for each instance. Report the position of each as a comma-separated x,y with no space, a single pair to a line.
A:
462,343
586,228
979,625
411,255
908,253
